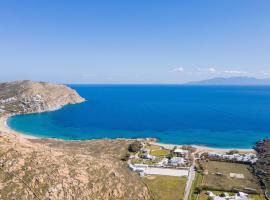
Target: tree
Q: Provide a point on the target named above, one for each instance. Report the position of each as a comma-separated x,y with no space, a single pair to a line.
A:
198,190
222,194
189,148
233,152
135,146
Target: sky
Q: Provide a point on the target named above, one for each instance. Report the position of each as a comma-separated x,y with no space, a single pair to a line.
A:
133,41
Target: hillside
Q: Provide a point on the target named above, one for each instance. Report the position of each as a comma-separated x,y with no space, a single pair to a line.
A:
263,165
29,96
56,169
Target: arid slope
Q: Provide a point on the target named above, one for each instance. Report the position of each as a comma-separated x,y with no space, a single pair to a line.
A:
57,169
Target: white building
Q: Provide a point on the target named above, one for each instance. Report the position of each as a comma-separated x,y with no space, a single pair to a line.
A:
238,196
180,152
247,158
8,100
176,161
138,167
163,162
148,156
145,150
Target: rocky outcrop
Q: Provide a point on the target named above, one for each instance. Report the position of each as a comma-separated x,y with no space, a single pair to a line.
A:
262,167
29,96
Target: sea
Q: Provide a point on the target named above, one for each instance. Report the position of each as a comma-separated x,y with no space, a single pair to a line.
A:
213,116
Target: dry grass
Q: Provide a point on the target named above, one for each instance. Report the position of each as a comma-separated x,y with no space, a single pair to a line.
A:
56,169
166,187
224,181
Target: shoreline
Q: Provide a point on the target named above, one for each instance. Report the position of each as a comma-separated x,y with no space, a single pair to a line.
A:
201,149
7,130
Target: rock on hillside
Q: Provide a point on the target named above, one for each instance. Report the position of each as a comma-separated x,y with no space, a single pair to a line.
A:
262,166
29,96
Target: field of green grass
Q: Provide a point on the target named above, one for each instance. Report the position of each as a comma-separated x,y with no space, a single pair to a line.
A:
153,147
224,181
166,187
160,152
197,181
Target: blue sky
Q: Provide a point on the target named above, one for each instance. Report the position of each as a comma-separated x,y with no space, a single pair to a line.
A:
129,41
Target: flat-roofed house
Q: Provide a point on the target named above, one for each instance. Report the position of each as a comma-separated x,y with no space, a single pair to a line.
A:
180,152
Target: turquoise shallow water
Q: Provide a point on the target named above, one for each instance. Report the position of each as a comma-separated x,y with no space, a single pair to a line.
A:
224,117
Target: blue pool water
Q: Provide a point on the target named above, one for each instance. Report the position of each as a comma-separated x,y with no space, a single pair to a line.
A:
216,116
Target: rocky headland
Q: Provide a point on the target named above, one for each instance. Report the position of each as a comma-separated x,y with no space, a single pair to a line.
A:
57,169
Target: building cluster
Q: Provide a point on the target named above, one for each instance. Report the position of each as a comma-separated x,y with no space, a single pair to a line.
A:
238,196
8,100
37,98
245,158
33,99
179,158
146,154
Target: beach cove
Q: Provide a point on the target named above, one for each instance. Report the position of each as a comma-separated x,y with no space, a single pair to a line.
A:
216,117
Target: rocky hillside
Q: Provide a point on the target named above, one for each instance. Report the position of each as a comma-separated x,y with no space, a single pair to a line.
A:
71,170
48,169
262,166
29,96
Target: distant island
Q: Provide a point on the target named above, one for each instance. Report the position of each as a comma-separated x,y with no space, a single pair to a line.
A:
232,81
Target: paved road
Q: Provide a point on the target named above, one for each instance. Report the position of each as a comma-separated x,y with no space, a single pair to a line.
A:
166,172
191,177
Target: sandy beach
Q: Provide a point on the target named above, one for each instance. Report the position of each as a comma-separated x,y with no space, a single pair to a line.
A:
5,129
201,149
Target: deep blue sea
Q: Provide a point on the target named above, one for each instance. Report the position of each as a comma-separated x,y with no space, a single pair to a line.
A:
215,116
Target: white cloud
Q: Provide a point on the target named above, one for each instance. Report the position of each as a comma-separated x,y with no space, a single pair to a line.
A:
208,70
178,69
265,73
234,72
211,70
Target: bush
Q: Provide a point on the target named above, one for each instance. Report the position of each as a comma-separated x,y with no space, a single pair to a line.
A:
233,152
135,146
170,155
198,190
125,157
222,195
189,148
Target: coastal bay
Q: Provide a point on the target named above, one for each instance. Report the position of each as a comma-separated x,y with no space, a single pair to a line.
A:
205,116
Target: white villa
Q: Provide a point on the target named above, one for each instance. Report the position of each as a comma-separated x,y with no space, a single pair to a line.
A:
248,158
163,162
138,167
176,161
8,100
238,196
148,156
181,152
